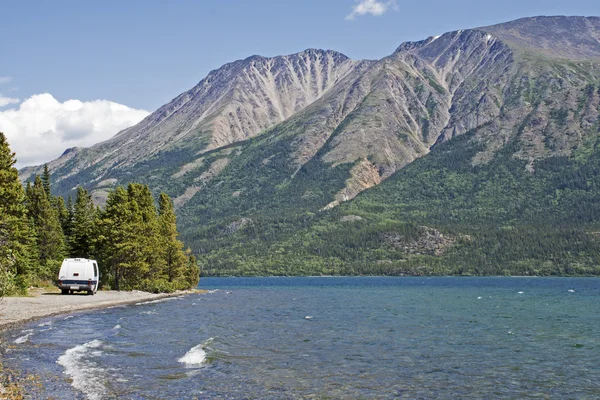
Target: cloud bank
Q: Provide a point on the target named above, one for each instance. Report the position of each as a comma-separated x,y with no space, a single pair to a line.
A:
372,7
42,128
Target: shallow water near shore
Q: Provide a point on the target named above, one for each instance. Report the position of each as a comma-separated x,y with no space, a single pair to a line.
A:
355,337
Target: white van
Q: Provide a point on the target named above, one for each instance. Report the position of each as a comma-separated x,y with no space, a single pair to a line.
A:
78,275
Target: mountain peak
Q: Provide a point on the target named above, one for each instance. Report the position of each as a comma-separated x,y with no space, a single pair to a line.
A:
575,38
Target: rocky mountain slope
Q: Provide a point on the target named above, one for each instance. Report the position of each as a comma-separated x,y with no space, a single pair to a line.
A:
234,103
282,143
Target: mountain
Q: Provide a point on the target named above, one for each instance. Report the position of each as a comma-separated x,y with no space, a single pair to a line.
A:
472,152
234,103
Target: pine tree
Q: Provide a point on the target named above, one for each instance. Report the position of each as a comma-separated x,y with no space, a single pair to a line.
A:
141,203
192,272
16,245
68,223
126,236
111,233
81,225
46,183
174,258
48,232
63,215
138,247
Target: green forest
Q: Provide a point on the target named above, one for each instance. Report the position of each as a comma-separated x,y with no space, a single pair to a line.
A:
134,239
439,215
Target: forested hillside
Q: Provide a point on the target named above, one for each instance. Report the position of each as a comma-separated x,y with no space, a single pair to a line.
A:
439,215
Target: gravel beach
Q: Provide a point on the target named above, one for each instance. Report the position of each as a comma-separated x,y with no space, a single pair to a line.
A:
43,303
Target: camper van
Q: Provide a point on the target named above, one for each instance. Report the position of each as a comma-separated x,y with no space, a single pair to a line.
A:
78,275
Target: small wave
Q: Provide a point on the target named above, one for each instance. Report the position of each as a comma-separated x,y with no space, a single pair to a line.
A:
214,291
196,356
85,374
24,338
117,326
154,301
46,323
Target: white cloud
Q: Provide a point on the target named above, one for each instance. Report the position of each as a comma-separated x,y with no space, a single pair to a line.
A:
4,101
373,7
42,128
5,79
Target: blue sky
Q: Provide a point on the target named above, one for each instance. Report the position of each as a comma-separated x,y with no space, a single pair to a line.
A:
143,53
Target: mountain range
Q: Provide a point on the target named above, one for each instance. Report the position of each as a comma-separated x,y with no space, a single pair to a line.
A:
473,152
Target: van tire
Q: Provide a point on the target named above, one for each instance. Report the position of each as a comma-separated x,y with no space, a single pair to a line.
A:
64,291
90,293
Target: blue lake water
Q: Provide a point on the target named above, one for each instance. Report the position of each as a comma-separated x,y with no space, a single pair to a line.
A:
338,338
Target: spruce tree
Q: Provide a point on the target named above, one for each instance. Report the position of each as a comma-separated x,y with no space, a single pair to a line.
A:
138,246
48,232
16,245
174,258
142,206
120,241
82,225
63,215
46,182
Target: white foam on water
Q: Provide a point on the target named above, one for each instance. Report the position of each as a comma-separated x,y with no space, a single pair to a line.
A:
117,326
196,356
86,376
213,291
69,317
571,291
24,338
46,323
520,292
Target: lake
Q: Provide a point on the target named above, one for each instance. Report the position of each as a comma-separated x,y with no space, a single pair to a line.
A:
327,337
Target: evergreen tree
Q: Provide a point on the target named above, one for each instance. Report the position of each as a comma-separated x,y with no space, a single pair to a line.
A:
48,232
15,235
63,216
122,239
111,233
46,182
142,206
192,272
81,225
174,259
68,224
138,247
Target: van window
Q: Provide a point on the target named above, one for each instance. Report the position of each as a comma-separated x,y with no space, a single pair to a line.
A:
95,270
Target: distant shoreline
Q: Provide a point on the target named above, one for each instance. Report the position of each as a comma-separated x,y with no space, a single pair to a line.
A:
16,311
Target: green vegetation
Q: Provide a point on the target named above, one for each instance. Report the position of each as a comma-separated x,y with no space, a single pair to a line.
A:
16,237
138,246
493,219
135,243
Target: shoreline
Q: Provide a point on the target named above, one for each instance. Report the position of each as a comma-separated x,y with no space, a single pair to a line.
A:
42,303
17,311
